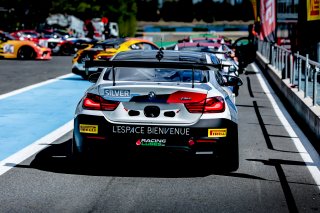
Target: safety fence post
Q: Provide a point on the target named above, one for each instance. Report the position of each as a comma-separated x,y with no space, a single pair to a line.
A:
306,74
299,71
315,92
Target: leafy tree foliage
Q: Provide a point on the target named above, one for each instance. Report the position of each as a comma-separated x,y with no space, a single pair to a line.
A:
148,10
29,13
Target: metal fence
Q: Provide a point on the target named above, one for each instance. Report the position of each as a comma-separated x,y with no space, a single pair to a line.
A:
302,72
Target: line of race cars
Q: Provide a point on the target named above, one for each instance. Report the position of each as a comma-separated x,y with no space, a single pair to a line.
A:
146,98
12,48
29,44
178,100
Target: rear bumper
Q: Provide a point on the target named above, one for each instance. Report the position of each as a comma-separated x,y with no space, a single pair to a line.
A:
207,137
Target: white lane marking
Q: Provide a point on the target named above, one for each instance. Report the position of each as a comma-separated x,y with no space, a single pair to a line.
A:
23,154
307,152
18,91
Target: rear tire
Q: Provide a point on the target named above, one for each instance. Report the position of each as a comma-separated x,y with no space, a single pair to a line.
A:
230,160
76,155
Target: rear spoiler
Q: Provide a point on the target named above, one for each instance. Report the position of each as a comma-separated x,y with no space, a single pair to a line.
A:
151,64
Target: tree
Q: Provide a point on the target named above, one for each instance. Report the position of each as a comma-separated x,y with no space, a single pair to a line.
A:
29,13
148,10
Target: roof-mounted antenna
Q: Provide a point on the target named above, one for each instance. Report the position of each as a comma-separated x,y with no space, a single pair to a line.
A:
192,77
113,77
159,55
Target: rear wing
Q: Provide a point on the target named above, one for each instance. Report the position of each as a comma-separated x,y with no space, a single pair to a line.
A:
151,64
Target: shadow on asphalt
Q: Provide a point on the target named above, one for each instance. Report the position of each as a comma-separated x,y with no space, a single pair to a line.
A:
56,158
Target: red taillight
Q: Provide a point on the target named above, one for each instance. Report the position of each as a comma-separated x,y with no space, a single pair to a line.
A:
214,104
102,57
92,101
96,102
209,105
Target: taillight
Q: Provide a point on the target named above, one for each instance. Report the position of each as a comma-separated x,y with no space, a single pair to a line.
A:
209,105
96,102
102,57
92,101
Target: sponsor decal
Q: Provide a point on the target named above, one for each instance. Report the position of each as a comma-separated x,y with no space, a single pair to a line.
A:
86,128
117,93
185,99
313,10
217,133
150,130
152,96
151,142
8,48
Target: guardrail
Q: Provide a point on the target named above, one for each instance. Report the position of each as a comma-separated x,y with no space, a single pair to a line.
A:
302,72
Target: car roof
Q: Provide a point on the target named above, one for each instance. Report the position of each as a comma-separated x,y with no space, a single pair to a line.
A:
118,41
198,44
167,55
112,41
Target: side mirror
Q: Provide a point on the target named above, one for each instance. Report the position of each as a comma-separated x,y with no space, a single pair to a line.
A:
232,69
93,78
4,39
232,81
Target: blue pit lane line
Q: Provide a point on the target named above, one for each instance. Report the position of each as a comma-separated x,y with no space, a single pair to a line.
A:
31,115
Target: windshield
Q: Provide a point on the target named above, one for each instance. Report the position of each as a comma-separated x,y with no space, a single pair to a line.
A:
156,75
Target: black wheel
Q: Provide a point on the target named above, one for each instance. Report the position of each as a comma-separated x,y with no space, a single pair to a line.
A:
66,50
25,53
75,154
232,162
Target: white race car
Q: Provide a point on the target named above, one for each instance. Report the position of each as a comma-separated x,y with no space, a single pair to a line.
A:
163,104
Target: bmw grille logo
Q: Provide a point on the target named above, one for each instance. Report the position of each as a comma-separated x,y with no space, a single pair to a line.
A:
152,96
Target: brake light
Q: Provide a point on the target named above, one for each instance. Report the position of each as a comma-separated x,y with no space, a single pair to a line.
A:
102,57
209,105
92,101
96,102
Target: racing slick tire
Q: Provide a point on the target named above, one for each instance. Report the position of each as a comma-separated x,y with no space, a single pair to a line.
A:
76,155
231,161
66,50
86,155
25,53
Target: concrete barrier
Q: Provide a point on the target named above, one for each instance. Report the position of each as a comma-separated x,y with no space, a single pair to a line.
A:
307,114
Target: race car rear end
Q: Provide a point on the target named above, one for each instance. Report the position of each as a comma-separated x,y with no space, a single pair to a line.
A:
167,107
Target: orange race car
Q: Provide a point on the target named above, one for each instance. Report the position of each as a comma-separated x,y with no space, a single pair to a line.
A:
12,48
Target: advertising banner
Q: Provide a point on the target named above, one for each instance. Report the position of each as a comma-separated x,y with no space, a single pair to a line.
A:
313,10
254,7
268,20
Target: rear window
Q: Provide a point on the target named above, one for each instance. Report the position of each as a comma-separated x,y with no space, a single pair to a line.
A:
156,75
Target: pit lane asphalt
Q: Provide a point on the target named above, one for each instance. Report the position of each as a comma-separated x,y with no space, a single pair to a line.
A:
16,74
272,176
